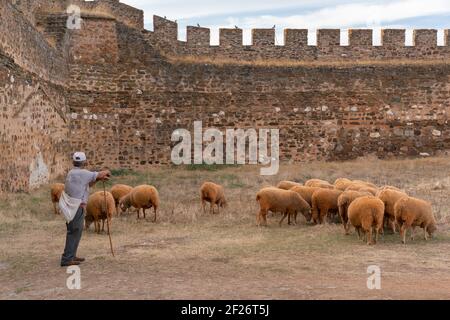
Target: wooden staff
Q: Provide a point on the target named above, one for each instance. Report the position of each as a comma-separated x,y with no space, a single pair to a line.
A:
107,219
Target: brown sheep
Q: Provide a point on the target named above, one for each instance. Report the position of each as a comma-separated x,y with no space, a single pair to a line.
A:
390,198
141,197
55,192
389,188
96,210
319,183
344,200
356,186
118,191
369,184
411,212
305,192
367,213
324,201
278,200
286,185
214,194
342,183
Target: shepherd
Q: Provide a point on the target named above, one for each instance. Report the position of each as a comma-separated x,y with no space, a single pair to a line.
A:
73,203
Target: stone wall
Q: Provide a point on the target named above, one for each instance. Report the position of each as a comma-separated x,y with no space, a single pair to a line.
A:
118,92
322,113
34,136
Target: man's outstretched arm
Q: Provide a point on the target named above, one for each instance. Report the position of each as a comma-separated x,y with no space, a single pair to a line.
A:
104,175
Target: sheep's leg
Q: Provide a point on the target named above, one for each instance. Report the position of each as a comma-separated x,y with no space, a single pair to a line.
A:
103,225
262,217
369,236
143,210
413,229
358,229
377,231
204,206
54,207
425,235
403,230
138,212
154,220
284,216
347,228
324,216
393,225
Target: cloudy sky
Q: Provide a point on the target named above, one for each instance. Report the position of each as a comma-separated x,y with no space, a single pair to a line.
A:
308,14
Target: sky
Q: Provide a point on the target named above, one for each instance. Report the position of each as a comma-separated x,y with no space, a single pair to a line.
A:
303,14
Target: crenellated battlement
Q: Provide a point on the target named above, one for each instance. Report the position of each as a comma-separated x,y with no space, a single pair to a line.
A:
328,44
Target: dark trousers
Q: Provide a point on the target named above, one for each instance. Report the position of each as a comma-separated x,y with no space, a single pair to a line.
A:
74,231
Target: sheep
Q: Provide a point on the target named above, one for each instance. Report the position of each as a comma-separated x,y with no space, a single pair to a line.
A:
214,194
141,197
342,183
390,198
366,213
387,187
323,201
96,210
411,212
278,200
305,192
319,183
286,185
357,186
55,192
369,184
344,200
119,191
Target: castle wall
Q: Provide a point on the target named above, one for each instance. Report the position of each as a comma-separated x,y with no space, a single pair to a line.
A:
33,129
296,48
29,48
328,112
118,92
33,126
33,10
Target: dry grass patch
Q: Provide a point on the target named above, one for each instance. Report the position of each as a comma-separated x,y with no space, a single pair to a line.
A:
190,254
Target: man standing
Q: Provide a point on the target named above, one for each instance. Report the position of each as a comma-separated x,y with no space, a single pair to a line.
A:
77,186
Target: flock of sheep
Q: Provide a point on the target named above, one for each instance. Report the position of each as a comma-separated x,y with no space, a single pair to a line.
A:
358,203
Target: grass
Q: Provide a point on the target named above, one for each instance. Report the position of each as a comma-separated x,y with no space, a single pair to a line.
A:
190,254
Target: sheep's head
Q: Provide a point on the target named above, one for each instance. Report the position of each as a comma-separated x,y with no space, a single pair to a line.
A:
223,203
88,221
124,203
308,214
431,229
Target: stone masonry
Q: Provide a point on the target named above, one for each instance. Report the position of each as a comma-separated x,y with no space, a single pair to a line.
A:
118,91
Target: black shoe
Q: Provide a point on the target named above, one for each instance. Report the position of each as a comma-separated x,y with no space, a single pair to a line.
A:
70,263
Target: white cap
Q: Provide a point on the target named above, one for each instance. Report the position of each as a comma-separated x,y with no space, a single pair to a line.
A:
79,157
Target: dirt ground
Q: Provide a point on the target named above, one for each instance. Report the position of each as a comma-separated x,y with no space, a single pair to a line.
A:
191,255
